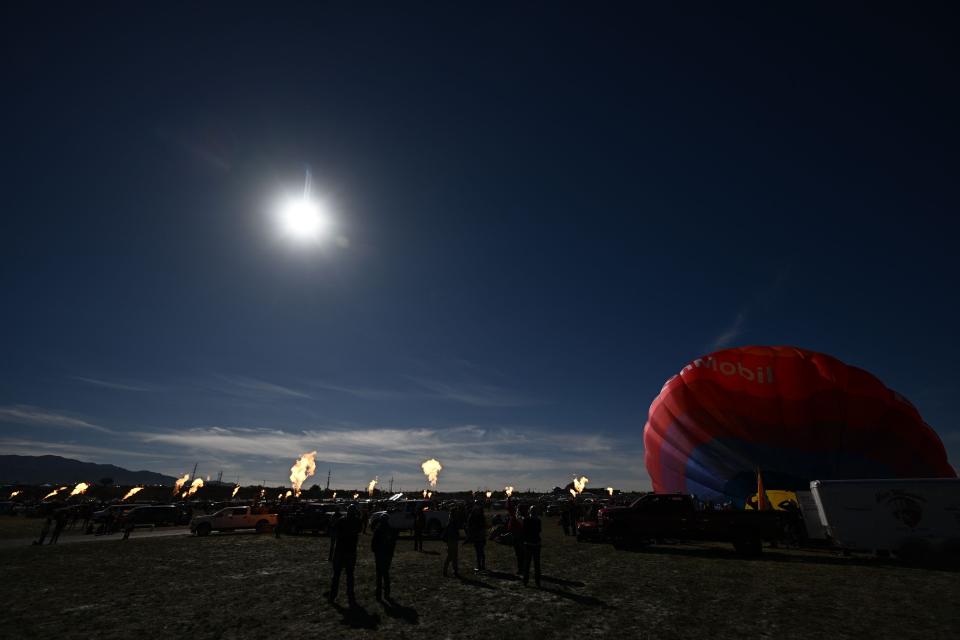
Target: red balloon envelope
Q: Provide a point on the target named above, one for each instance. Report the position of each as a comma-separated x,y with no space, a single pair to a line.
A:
795,414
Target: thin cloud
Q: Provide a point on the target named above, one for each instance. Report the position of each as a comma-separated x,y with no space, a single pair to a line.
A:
360,392
472,455
478,395
85,453
731,333
258,389
107,384
26,414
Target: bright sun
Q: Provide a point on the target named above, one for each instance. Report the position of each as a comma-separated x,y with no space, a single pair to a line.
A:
303,219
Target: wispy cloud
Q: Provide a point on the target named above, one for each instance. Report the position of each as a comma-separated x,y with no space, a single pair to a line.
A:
731,333
479,395
472,455
26,414
258,389
86,453
360,392
120,386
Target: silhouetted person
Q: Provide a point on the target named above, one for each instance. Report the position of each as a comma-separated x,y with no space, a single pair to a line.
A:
364,519
531,546
128,529
477,534
60,521
515,527
419,522
383,544
451,536
332,532
45,530
565,519
344,552
281,520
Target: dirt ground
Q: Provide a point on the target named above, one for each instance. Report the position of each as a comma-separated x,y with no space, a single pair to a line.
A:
256,586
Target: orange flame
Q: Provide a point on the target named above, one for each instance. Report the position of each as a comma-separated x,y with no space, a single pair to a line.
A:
425,492
580,483
431,469
179,483
194,486
303,468
15,493
334,494
489,494
80,488
235,490
288,494
356,495
610,490
573,492
429,494
372,484
131,493
52,493
508,491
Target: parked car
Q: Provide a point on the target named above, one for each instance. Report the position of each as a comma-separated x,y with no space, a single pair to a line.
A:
400,515
153,516
233,518
113,512
672,516
315,517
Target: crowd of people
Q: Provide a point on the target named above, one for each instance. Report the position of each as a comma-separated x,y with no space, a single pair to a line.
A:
522,530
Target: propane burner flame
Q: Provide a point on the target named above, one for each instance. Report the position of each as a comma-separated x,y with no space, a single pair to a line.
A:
131,493
303,468
373,483
508,491
79,489
194,487
580,483
431,469
179,483
235,490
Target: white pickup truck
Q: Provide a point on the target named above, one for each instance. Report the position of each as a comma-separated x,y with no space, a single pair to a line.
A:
233,518
400,515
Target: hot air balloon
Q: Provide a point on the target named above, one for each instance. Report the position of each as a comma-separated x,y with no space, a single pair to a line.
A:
796,415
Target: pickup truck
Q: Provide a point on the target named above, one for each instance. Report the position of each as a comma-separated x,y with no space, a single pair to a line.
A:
233,518
400,515
659,516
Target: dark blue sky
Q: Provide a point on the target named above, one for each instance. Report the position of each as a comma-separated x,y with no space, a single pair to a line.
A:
548,211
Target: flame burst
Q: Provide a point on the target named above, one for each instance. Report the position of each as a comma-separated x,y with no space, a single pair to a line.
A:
52,493
179,483
14,494
235,490
194,486
372,484
425,492
580,483
489,494
131,493
610,490
431,469
302,469
429,494
508,491
288,494
334,494
356,495
80,488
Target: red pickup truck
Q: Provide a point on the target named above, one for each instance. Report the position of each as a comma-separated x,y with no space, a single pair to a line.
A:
673,516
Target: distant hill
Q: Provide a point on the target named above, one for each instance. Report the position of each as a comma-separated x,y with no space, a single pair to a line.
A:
57,470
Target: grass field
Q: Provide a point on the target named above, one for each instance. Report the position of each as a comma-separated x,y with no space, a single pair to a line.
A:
255,586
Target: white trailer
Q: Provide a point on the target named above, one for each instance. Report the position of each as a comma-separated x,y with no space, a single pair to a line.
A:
908,517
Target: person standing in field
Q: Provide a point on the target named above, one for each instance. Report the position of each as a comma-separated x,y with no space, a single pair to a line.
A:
477,534
451,536
531,546
344,553
60,521
419,522
565,519
515,527
45,530
383,544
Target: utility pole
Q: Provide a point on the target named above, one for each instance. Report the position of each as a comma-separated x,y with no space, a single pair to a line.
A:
328,480
194,474
391,485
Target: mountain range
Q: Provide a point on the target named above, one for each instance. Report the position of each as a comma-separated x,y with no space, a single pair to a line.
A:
59,470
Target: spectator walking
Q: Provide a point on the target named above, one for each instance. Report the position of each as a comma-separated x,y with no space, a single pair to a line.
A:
515,527
419,522
344,553
477,534
60,521
383,544
531,546
451,536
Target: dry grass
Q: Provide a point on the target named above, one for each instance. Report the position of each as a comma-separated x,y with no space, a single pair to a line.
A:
245,586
